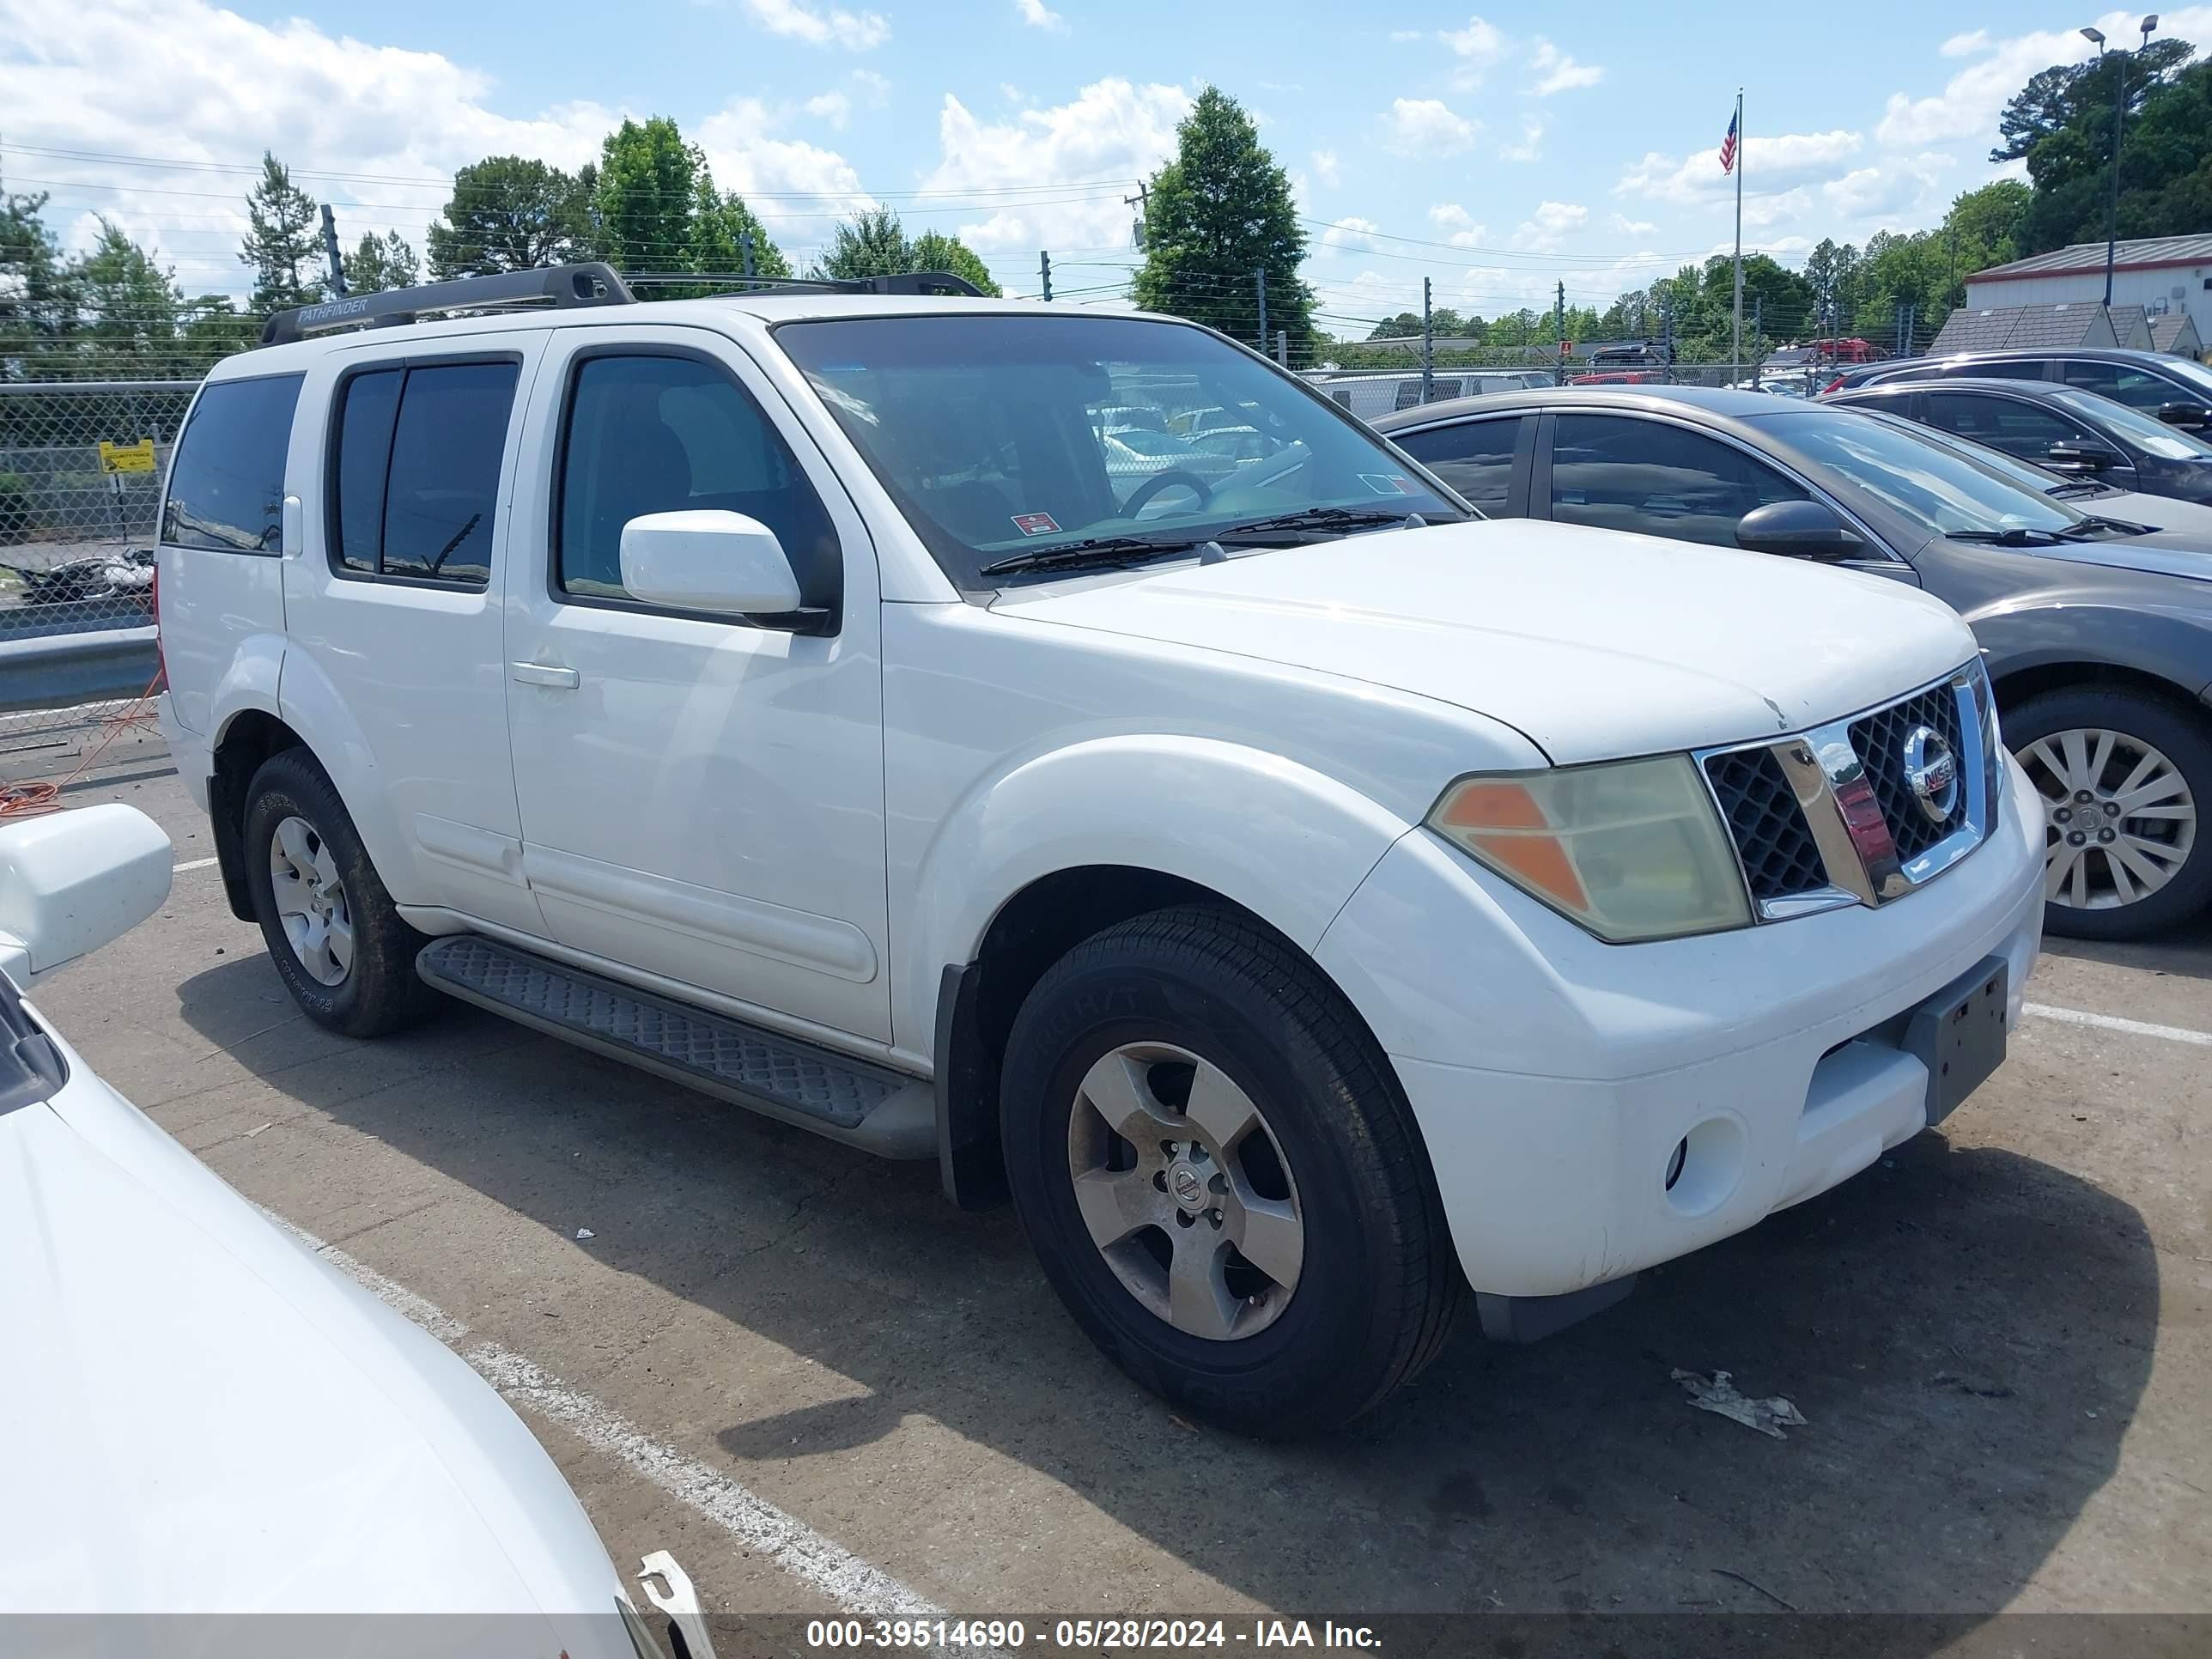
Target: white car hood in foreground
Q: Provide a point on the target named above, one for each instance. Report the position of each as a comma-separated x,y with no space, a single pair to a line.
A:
203,1418
1593,643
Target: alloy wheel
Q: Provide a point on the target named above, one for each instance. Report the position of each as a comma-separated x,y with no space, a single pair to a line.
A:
2119,819
1185,1191
311,901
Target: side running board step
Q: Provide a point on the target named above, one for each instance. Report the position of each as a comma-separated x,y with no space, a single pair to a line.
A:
866,1106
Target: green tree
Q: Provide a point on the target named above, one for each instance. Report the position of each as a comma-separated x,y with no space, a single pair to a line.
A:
1219,213
2068,97
282,247
647,183
869,243
509,213
130,303
721,222
378,263
38,292
934,251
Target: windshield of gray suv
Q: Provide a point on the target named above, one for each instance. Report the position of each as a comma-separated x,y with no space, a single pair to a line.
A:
1023,444
1936,487
2145,432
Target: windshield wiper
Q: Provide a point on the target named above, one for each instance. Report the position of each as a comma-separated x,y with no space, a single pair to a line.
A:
2091,528
2068,491
1323,518
1097,550
2018,536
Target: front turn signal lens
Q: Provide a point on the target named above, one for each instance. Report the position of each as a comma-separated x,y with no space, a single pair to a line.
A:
1631,849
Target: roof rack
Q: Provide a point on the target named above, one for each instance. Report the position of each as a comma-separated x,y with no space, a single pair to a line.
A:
561,288
556,286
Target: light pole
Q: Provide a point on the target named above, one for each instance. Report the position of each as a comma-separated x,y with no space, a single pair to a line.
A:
2096,36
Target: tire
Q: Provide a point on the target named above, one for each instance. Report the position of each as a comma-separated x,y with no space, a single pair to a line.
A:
377,991
2093,893
1202,1003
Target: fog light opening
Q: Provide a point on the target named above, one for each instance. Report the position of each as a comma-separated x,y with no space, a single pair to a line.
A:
1705,1166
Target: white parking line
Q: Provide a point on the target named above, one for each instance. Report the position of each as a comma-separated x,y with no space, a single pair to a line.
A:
190,864
757,1524
2114,1022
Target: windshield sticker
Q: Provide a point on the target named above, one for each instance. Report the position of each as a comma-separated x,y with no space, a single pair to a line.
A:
1387,484
1036,524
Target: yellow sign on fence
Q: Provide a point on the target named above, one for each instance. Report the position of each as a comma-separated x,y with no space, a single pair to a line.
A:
126,458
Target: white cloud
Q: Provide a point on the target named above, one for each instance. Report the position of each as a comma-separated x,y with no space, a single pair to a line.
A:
1038,15
1478,46
1351,232
1899,186
1970,101
1761,211
1327,167
1427,127
1557,72
875,87
1460,226
796,188
1531,147
796,20
835,107
1628,227
1113,129
1543,230
1770,166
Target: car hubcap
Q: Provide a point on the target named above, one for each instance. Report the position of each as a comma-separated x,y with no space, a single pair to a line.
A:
2120,820
311,901
1185,1191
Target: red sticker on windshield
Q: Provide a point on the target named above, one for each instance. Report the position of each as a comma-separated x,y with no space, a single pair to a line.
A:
1034,523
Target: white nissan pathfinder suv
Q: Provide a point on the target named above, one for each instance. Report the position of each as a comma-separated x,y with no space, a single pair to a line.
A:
1309,902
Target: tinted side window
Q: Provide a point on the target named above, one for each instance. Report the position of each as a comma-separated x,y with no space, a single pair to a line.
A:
1475,457
1661,479
367,406
2026,430
441,489
668,434
227,485
2030,370
2117,380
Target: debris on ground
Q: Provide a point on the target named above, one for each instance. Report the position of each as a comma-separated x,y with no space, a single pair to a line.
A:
584,1232
1720,1396
250,1134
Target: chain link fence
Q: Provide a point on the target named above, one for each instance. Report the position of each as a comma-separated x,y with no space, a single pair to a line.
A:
81,469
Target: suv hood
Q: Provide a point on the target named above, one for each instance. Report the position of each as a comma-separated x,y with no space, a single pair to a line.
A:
1595,644
206,1419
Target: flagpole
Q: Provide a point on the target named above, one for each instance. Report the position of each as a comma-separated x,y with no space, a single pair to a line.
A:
1742,145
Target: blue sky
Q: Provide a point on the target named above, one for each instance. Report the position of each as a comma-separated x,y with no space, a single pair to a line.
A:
1495,152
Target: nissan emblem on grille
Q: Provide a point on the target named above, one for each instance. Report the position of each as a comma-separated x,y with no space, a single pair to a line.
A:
1931,771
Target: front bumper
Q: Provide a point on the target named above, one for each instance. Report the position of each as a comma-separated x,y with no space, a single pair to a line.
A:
1554,1076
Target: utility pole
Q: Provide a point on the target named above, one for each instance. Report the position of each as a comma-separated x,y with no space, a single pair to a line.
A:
1428,348
1044,271
1283,347
2119,56
746,249
1261,276
331,253
1758,336
1142,201
1559,327
1666,339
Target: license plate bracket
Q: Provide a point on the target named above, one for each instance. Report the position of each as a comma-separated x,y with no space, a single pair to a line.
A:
1959,1035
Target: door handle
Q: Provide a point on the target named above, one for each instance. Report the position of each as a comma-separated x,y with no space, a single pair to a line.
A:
544,673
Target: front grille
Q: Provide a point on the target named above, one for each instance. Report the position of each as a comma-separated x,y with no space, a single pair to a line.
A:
1780,859
1879,740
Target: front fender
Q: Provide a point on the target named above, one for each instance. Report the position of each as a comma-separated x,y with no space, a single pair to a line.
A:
1288,843
2152,636
312,707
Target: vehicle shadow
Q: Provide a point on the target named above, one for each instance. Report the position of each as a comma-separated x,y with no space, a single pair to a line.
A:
2185,951
1967,1331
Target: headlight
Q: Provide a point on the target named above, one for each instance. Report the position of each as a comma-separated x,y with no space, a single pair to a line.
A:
1631,849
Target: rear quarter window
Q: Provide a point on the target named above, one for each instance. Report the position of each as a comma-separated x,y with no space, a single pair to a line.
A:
226,483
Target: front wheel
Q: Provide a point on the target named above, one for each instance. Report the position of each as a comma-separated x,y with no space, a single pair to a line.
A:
1221,1177
2126,778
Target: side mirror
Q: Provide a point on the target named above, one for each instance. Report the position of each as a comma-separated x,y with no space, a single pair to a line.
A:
722,563
2194,418
2076,455
71,882
1797,530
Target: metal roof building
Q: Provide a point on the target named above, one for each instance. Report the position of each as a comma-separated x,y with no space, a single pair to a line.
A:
2019,328
2164,276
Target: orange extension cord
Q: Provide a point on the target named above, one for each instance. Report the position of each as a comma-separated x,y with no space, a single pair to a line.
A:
27,800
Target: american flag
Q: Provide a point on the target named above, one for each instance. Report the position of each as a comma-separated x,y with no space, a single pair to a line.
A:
1728,148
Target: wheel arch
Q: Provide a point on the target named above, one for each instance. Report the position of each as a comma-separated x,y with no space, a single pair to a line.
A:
245,742
2017,684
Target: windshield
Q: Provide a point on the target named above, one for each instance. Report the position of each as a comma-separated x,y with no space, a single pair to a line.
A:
1940,489
1001,435
2145,432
